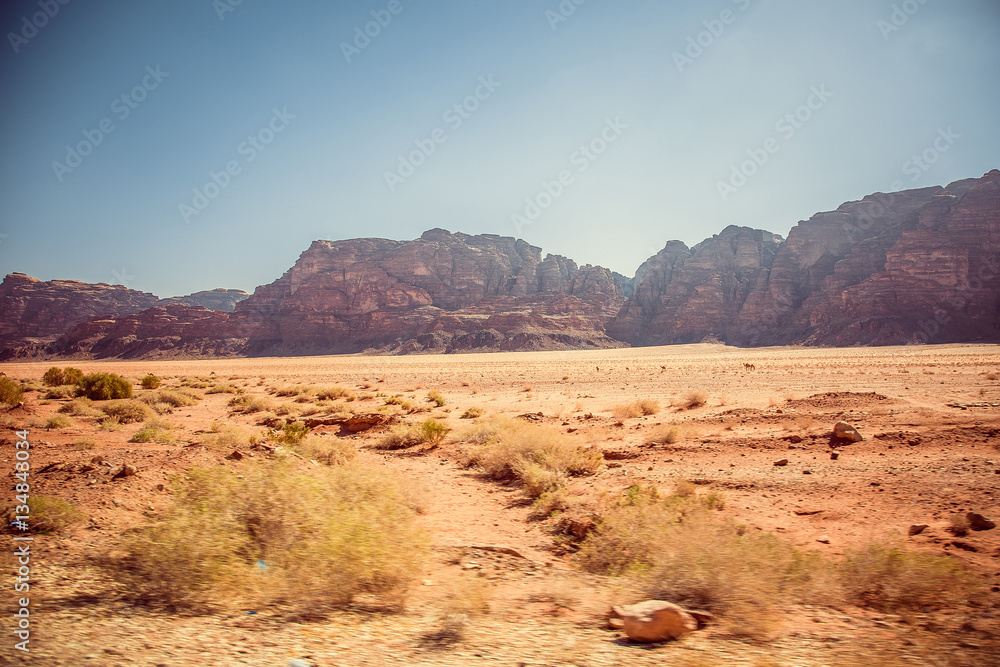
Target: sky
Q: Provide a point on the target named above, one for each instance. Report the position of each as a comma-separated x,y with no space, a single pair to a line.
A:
175,146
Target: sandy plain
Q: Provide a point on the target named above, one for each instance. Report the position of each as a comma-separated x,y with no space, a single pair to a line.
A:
930,416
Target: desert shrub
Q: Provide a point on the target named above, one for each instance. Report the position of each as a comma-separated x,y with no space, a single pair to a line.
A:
55,377
177,399
313,539
221,389
127,412
433,432
333,393
61,392
328,451
110,424
283,409
533,454
888,577
247,404
436,398
693,399
679,551
638,408
83,444
151,434
473,412
47,514
59,421
400,437
291,433
227,437
150,382
666,435
11,392
105,386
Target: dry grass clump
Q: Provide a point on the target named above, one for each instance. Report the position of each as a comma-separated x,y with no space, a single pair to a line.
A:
84,444
11,393
227,437
58,421
473,413
540,458
47,514
328,451
221,389
127,412
635,409
692,399
177,398
246,404
888,577
333,393
430,431
152,434
61,392
436,398
665,435
311,540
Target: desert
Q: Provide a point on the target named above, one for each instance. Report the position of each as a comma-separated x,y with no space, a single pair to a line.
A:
736,445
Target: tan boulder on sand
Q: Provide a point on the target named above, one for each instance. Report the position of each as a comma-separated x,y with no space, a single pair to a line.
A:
655,621
847,432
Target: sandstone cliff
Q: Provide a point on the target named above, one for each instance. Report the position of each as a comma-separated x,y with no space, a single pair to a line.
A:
216,299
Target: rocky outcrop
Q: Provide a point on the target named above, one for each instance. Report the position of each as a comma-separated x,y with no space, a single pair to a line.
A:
216,299
916,266
35,312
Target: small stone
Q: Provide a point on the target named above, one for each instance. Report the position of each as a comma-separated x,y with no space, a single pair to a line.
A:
918,528
796,439
823,539
781,463
979,522
125,471
655,621
235,456
834,456
847,432
295,662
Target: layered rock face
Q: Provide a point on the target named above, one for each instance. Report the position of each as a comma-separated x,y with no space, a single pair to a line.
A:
216,299
441,292
35,312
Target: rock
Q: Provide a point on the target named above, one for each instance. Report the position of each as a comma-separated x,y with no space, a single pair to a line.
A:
616,623
781,463
917,528
655,621
216,299
979,522
823,539
235,456
834,456
125,471
702,617
295,662
847,432
794,439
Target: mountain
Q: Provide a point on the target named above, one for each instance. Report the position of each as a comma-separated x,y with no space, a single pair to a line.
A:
917,266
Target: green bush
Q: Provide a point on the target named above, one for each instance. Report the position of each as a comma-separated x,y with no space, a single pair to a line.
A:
105,386
150,382
127,412
433,432
11,392
277,535
55,376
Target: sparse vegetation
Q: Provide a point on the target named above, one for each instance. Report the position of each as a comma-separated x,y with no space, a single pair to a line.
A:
693,399
105,386
635,409
227,437
127,412
314,539
48,514
473,413
665,435
430,431
150,382
11,393
246,404
152,434
539,457
55,377
58,421
176,398
84,444
328,451
436,398
433,432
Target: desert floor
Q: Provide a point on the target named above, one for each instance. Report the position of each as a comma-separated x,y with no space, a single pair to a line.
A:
930,416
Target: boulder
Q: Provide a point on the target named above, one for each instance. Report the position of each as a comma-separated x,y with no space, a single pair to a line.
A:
979,522
845,431
655,621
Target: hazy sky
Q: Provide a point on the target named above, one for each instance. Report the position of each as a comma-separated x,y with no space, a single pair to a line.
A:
617,120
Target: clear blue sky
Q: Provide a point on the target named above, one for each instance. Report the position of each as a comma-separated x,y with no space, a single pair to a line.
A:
674,120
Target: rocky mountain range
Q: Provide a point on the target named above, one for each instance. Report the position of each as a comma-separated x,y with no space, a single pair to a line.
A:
916,266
